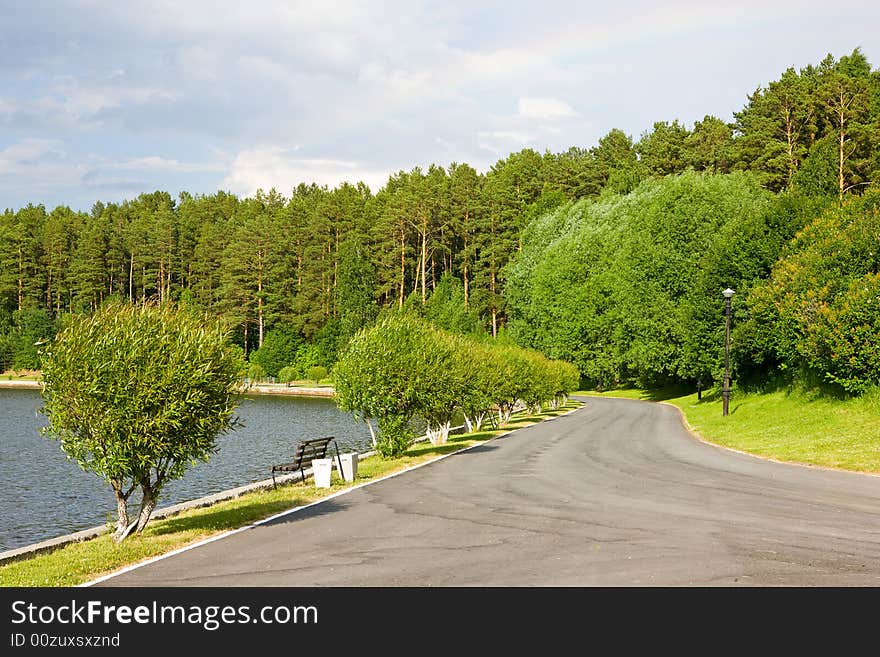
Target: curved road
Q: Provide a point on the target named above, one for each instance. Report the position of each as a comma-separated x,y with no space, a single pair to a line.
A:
617,493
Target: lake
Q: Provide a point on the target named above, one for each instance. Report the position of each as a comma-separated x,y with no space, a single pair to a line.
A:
44,495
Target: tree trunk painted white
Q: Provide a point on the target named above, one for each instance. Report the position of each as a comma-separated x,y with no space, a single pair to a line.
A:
474,423
372,433
438,435
148,504
121,512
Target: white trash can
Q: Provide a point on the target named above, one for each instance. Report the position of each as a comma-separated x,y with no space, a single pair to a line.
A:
321,469
349,462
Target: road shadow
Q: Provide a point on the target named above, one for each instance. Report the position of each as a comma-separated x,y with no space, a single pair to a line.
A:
315,511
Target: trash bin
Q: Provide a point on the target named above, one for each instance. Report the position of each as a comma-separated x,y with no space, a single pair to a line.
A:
349,462
321,469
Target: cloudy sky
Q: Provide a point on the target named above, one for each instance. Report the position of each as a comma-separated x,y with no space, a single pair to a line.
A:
103,100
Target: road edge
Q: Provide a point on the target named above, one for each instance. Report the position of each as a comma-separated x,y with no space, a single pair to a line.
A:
297,509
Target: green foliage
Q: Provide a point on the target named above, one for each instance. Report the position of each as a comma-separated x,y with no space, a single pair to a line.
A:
355,289
814,310
7,351
316,373
287,374
324,263
445,308
280,347
327,343
404,367
818,174
307,356
628,288
32,328
396,436
136,394
256,373
843,341
380,373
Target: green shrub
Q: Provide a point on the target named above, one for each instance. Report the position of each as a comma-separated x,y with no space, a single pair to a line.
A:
255,372
137,394
287,374
280,347
395,436
316,373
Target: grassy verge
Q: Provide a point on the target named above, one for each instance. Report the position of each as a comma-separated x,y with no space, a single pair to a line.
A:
21,375
788,425
77,563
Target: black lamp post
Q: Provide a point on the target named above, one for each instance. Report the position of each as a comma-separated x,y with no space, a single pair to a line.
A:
725,389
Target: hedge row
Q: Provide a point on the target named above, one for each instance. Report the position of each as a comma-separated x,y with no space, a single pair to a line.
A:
404,367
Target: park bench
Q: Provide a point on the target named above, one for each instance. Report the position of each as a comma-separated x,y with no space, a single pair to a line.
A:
315,448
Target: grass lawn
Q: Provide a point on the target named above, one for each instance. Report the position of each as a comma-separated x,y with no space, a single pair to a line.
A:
21,375
81,562
787,425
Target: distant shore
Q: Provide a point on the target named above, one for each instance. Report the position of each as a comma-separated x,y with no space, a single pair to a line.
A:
262,389
284,389
20,383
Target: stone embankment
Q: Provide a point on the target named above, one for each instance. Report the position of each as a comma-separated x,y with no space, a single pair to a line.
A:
284,389
20,383
256,389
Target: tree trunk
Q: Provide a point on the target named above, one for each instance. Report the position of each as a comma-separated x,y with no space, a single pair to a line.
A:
402,265
372,433
122,522
465,267
49,288
148,504
260,307
789,137
841,142
424,256
20,278
494,311
438,435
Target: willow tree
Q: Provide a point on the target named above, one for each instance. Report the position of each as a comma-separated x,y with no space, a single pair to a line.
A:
136,394
382,375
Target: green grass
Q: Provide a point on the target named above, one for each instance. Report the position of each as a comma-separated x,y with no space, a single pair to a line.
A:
76,563
788,425
21,375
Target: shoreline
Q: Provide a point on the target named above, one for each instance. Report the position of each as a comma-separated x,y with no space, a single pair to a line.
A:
263,389
284,389
27,384
49,544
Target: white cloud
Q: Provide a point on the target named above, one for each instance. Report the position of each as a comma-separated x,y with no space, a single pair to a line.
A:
273,166
156,163
39,166
27,152
545,108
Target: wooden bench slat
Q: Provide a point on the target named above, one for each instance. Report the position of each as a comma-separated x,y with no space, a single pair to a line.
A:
306,451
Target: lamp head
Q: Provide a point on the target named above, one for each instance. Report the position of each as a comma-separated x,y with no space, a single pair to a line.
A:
728,293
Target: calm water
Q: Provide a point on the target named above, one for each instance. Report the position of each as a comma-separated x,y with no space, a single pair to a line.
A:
43,495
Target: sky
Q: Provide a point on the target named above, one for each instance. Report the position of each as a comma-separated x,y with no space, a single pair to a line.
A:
104,100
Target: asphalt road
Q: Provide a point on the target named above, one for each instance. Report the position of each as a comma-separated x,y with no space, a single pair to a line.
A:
616,494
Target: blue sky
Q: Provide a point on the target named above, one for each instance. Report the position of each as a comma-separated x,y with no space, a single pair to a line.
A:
103,100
